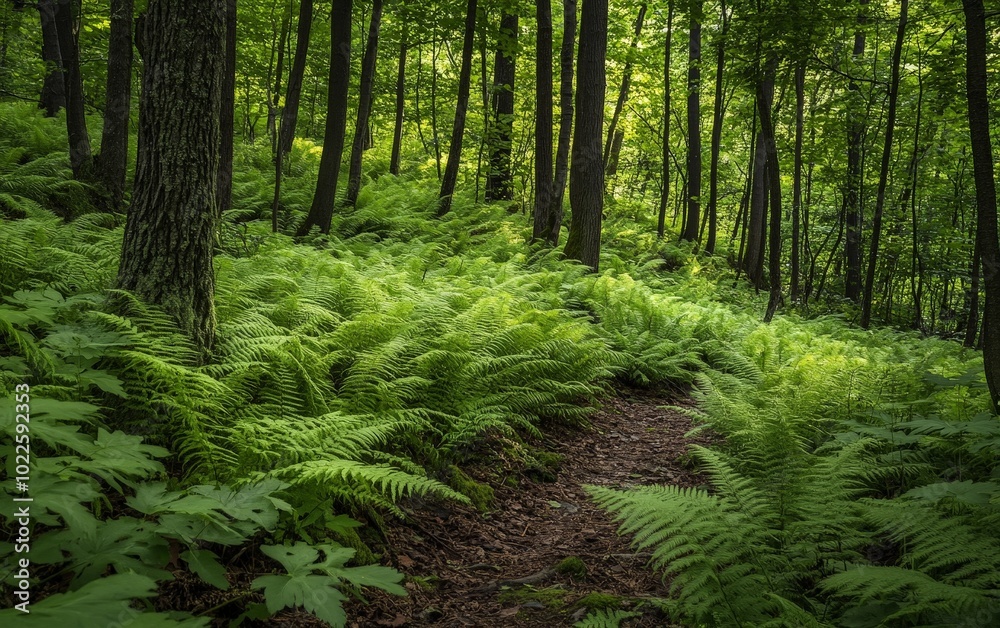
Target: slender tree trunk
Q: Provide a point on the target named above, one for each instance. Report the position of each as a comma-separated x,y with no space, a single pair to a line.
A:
53,96
883,180
541,228
694,125
565,119
717,115
623,91
80,156
916,261
765,98
756,231
321,212
112,162
800,97
434,125
364,103
855,132
986,198
279,70
293,98
972,324
170,231
227,119
500,182
586,191
665,191
397,131
461,108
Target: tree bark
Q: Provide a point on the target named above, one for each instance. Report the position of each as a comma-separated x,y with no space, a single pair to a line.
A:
586,190
694,125
986,199
461,108
227,118
112,162
717,114
566,113
397,132
883,180
321,212
170,231
364,103
756,232
855,131
500,182
800,97
623,92
544,185
53,97
80,156
665,190
765,97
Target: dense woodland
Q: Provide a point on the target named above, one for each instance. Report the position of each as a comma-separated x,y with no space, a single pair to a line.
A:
277,274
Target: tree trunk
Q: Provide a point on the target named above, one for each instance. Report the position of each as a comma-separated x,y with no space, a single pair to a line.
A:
986,199
80,157
364,103
717,114
765,97
855,131
227,118
293,96
397,131
112,162
754,258
883,180
321,212
665,191
542,226
53,96
170,232
565,119
694,125
800,98
586,190
500,182
623,91
461,108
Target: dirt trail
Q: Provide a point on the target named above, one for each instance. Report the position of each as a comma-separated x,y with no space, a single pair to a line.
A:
500,569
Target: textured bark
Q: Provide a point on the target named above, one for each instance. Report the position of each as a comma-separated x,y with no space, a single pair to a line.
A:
500,182
397,132
756,233
542,225
883,180
717,112
321,212
112,162
227,116
293,98
800,79
167,247
53,97
661,221
586,185
610,155
566,113
694,126
765,96
986,197
855,131
461,108
361,130
80,157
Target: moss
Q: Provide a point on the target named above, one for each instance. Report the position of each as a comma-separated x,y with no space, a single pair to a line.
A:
598,602
572,567
550,597
426,583
481,495
543,466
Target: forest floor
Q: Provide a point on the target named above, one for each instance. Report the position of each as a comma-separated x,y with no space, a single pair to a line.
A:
543,554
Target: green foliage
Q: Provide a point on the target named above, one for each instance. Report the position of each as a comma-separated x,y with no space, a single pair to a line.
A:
606,619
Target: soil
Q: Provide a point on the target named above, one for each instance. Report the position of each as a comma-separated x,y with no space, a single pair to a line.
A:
508,566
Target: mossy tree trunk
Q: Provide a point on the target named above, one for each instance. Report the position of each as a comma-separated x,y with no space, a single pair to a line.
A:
500,182
170,231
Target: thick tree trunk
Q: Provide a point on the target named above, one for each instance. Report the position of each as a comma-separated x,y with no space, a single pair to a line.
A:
717,114
227,117
665,190
293,97
112,162
461,108
500,182
170,232
883,179
364,103
566,113
321,212
542,226
609,155
80,156
855,132
53,96
986,198
586,189
693,215
397,131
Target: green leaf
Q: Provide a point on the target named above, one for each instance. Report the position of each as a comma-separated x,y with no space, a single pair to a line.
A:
314,593
206,565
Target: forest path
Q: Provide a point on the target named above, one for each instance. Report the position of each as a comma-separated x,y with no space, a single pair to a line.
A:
506,568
